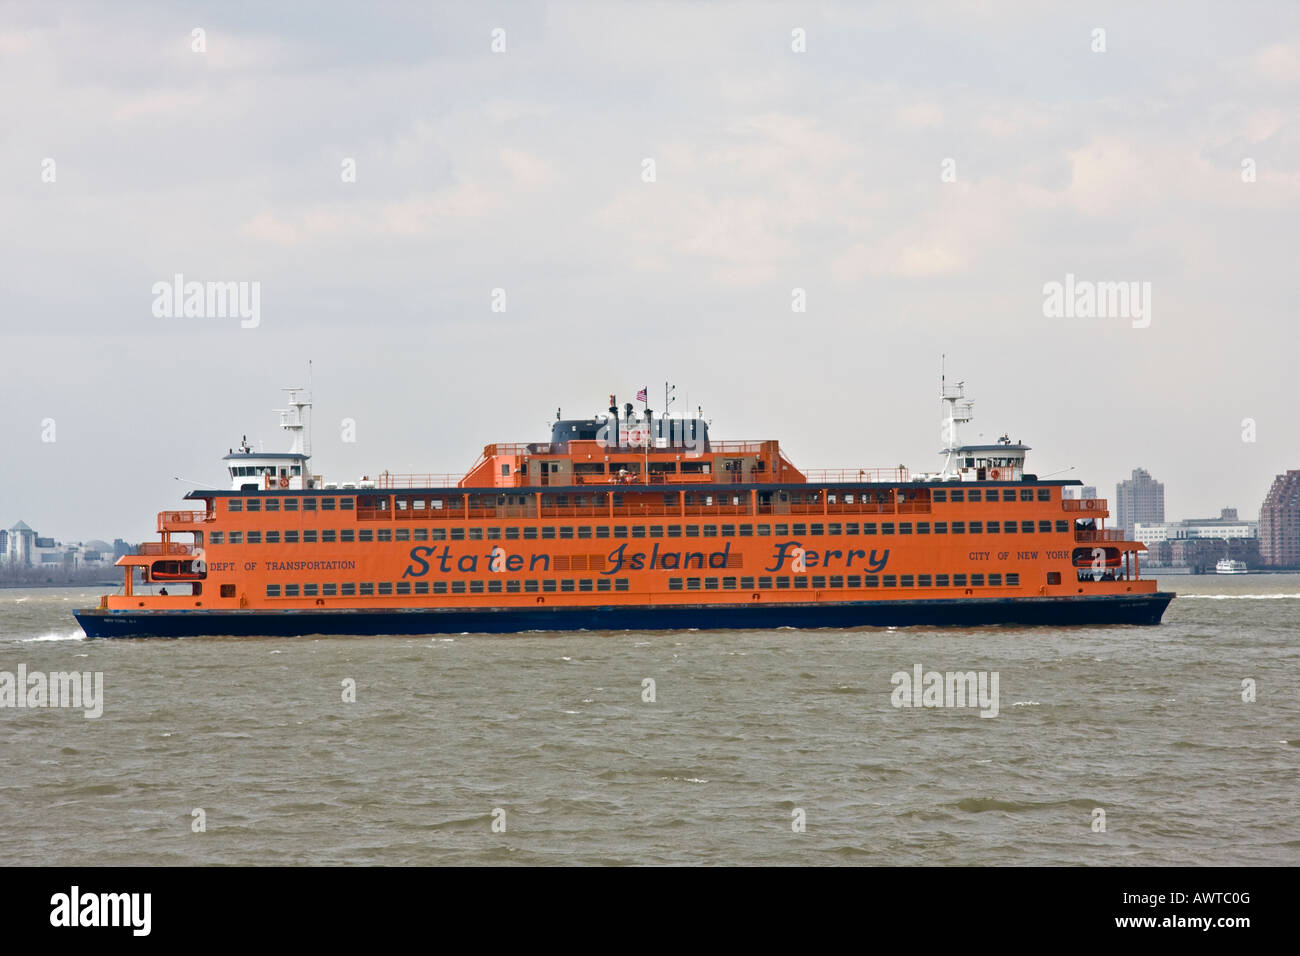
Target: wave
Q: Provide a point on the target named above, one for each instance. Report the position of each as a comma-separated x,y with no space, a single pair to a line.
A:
1239,597
76,635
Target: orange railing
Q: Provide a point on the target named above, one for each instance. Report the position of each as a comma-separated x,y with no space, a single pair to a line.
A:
389,480
1100,534
1083,504
858,474
183,517
165,547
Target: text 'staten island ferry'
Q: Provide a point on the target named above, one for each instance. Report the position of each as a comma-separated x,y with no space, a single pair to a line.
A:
629,521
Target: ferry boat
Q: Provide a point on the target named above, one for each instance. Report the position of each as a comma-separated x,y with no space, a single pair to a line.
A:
1229,566
625,520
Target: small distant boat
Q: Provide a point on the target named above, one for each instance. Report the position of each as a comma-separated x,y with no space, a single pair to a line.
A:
1228,566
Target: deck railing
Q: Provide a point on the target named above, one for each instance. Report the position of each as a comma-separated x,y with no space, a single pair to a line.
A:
1099,534
1084,504
165,547
183,517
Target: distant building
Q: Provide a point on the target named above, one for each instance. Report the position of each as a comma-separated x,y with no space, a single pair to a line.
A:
1079,491
1279,523
1140,498
24,548
1197,542
21,539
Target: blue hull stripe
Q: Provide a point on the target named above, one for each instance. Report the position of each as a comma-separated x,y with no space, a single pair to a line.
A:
1055,611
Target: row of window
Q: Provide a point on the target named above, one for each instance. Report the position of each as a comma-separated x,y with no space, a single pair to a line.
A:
273,503
978,494
565,585
547,532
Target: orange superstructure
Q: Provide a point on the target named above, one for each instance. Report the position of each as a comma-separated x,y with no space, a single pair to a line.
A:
629,522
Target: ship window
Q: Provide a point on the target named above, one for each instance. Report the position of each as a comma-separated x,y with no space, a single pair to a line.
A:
851,527
290,504
548,585
692,531
674,531
512,534
1026,527
710,584
941,580
346,504
402,534
421,587
868,527
235,504
674,584
853,581
348,590
548,531
566,531
974,494
799,530
890,581
566,584
995,580
620,584
1013,579
309,504
781,530
309,590
959,527
330,590
476,587
692,584
1062,526
905,527
959,580
819,581
746,584
347,535
217,537
923,527
801,581
906,581
309,537
236,537
834,527
1044,494
977,527
530,587
584,531
818,528
871,580
1044,527
993,527
656,531
887,527
366,535
457,587
291,590
602,584
367,589
403,587
385,534
530,532
494,534
439,587
327,504
253,505
273,504
476,534
765,584
273,590
941,527
1026,494
584,584
940,495
710,531
764,530
512,587
728,530
290,537
923,580
638,531
255,537
620,531
1008,494
746,530
958,494
457,534
977,580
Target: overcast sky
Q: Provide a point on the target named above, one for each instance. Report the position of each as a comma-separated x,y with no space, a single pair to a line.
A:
523,170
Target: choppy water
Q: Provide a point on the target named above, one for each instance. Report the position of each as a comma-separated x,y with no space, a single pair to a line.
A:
747,728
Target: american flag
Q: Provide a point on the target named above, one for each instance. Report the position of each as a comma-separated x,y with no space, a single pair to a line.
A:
641,396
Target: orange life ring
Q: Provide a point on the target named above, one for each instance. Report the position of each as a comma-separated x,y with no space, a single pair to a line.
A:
995,474
284,482
1092,504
